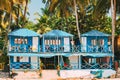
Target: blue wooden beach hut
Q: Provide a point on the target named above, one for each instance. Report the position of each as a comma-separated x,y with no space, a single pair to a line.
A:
95,41
56,41
58,44
97,46
23,44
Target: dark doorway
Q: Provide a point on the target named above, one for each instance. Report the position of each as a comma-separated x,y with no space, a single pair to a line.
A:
50,63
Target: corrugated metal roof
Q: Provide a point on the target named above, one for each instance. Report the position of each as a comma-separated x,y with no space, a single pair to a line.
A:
23,33
57,33
95,33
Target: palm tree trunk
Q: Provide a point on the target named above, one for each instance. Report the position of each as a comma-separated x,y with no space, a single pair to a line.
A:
25,11
77,24
18,14
113,9
7,30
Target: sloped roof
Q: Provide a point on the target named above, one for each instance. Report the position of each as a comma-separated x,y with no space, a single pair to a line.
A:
23,33
57,33
95,33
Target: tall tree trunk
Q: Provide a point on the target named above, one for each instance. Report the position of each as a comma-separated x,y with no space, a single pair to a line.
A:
113,9
25,11
7,30
18,14
77,24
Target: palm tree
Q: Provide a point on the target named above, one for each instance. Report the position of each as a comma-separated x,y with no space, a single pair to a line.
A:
25,11
9,10
66,8
113,9
43,21
10,7
102,7
77,24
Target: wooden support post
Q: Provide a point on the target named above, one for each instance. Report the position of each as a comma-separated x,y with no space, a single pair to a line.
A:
79,57
9,64
43,45
58,60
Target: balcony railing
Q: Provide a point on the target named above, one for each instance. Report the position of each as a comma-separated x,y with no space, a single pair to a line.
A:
23,65
62,49
23,49
97,66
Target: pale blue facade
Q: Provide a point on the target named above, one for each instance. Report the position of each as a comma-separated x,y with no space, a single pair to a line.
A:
56,41
95,41
21,42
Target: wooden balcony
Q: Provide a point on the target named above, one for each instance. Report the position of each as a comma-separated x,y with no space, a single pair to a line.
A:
97,66
61,49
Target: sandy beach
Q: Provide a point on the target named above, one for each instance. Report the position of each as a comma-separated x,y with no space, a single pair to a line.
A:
46,75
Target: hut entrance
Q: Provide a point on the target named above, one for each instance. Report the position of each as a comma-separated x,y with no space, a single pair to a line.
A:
49,63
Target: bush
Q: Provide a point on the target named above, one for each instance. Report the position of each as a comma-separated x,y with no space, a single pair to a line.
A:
4,59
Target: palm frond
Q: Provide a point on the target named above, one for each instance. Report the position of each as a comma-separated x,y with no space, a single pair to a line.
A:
53,4
101,8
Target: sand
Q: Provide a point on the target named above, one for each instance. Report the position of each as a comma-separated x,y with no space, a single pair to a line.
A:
46,75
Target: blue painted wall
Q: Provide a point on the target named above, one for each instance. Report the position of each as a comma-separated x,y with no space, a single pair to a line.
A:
17,65
13,37
97,38
28,45
52,45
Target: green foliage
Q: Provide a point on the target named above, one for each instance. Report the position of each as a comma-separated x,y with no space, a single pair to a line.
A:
4,59
118,26
91,16
1,44
68,24
102,24
30,25
3,53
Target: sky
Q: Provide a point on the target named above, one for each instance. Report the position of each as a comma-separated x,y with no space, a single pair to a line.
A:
33,7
